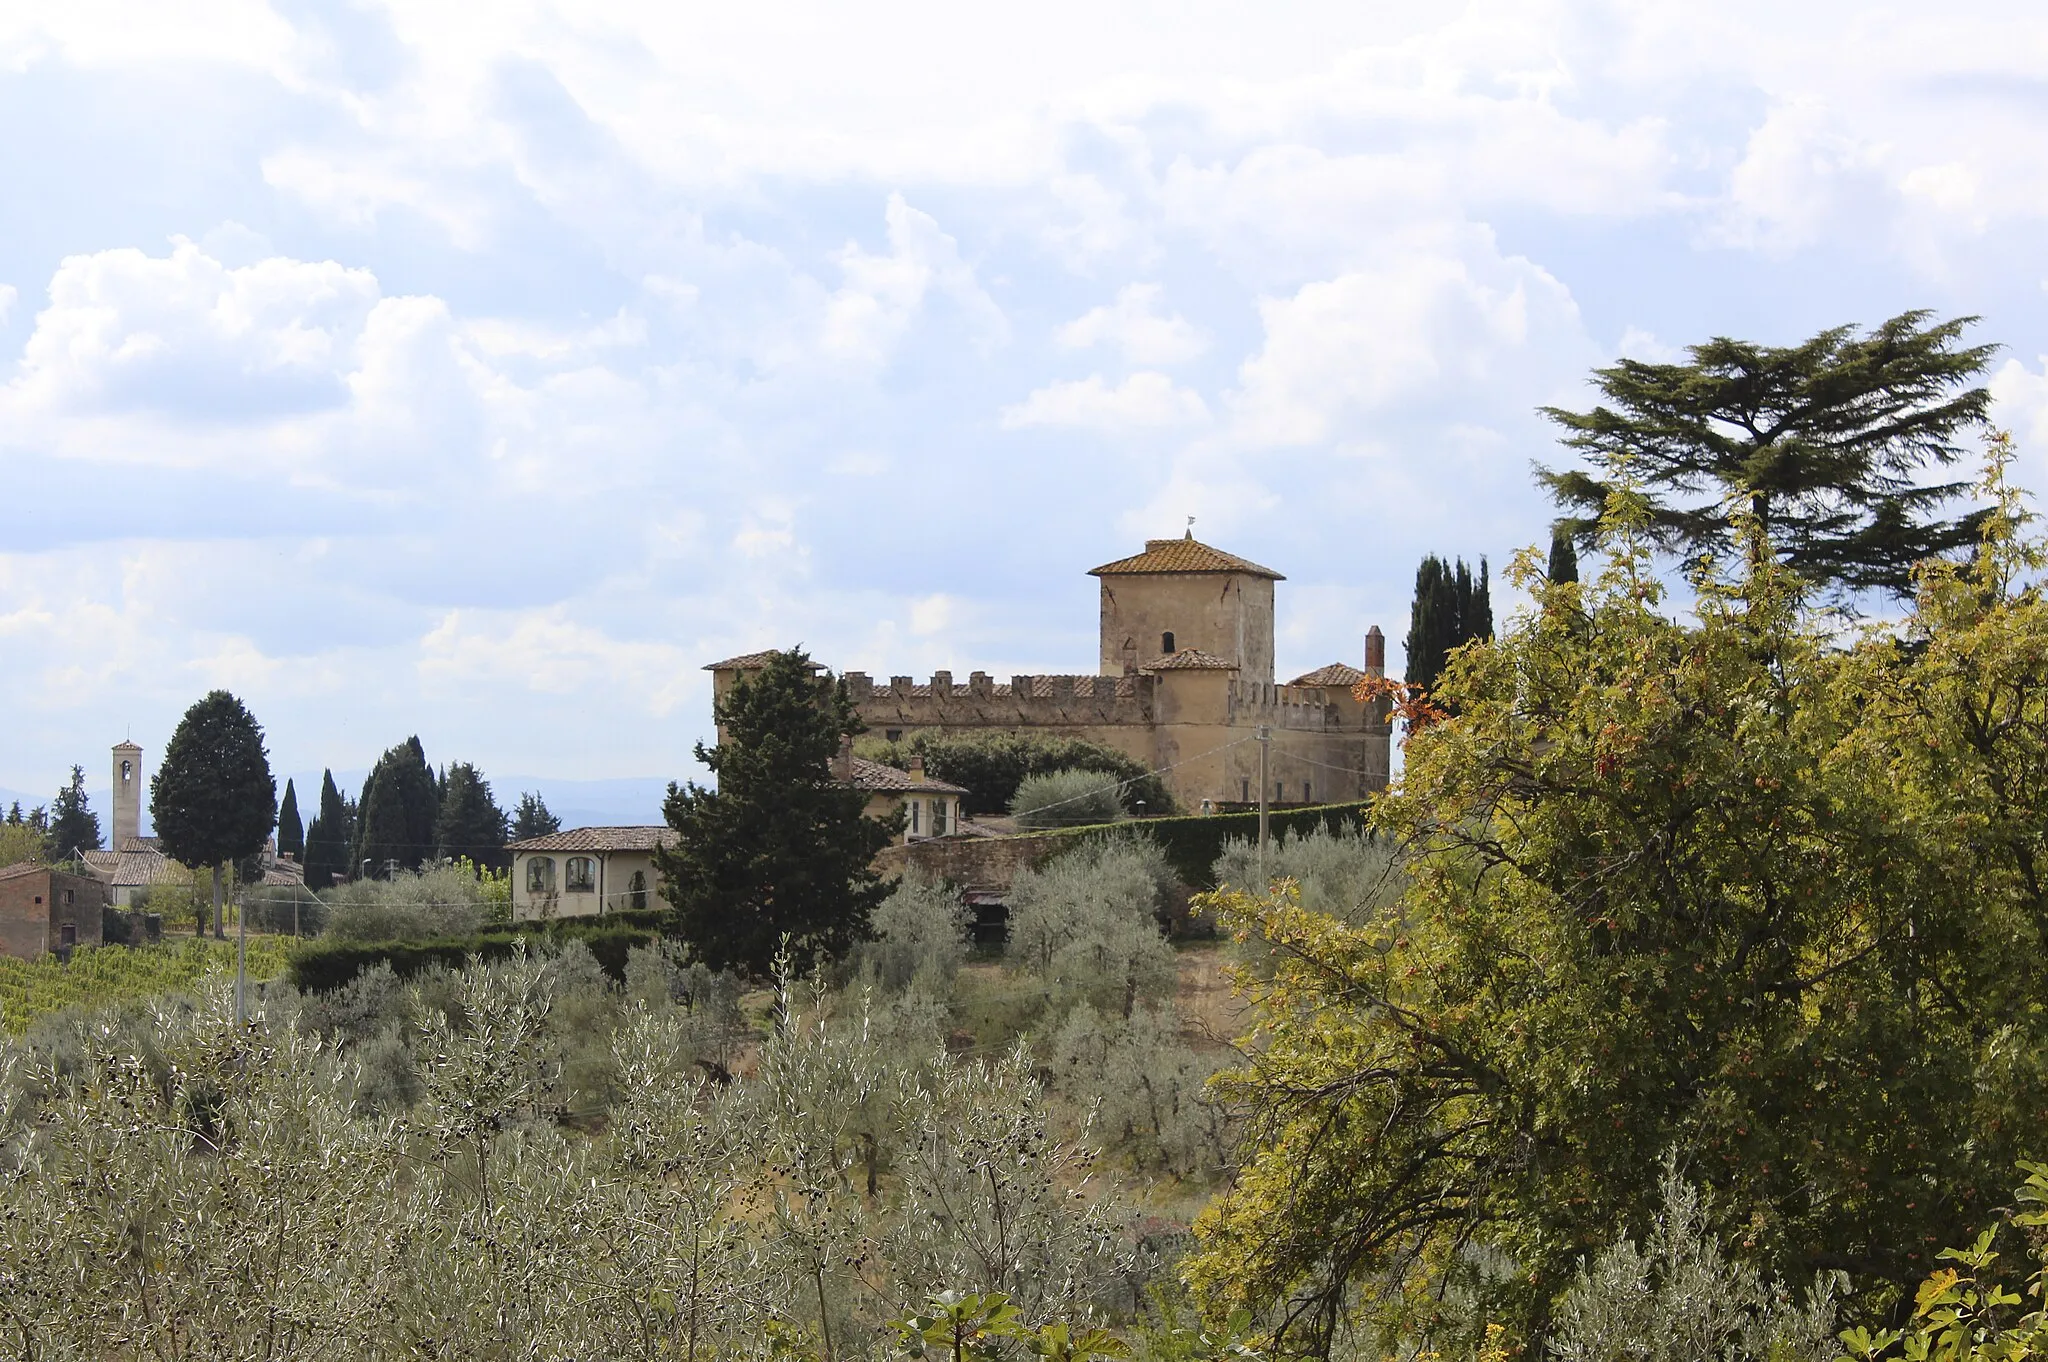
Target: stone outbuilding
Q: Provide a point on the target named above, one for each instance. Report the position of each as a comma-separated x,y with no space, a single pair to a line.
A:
43,909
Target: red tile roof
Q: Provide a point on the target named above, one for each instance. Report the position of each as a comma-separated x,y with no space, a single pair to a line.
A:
745,662
1189,660
20,868
879,779
1336,674
1182,555
642,838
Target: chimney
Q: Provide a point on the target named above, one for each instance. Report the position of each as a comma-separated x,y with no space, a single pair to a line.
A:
842,762
917,768
1375,652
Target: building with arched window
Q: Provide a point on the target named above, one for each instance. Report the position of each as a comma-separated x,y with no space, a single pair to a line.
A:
586,872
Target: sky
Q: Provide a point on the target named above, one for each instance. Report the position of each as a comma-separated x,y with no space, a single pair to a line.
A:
482,371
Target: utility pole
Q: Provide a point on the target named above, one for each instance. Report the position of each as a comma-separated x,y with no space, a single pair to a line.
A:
1265,736
241,966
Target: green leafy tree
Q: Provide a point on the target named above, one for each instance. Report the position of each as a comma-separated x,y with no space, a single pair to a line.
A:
331,837
1824,445
1066,799
780,849
291,833
212,799
532,819
1725,888
470,825
1451,608
400,802
74,827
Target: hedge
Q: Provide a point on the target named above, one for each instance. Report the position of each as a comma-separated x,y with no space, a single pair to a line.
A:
1194,842
322,964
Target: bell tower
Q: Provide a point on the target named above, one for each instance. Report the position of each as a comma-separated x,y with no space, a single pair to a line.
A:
127,793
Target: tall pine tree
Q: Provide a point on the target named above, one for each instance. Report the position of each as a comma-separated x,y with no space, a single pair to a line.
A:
1564,557
470,824
291,834
74,827
1826,444
780,849
400,803
532,819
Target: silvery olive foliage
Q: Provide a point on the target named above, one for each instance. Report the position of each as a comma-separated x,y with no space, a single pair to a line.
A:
1678,1297
920,935
175,1185
1346,874
1088,925
1146,1088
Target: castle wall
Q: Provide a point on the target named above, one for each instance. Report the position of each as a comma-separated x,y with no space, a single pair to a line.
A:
1227,614
1325,745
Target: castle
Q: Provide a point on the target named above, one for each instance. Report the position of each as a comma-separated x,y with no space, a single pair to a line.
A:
1185,686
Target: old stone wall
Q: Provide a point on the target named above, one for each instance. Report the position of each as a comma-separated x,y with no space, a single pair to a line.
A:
1227,614
35,909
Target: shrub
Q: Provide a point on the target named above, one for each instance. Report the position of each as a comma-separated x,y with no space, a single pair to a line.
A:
331,962
920,934
1146,1088
1088,925
1343,871
284,908
1066,799
445,901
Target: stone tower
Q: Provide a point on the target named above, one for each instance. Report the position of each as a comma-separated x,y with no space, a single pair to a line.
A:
127,793
1180,594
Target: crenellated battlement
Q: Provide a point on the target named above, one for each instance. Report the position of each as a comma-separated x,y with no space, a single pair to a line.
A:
1293,707
982,701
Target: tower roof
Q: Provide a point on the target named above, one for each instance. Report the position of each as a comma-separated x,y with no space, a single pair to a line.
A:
1187,554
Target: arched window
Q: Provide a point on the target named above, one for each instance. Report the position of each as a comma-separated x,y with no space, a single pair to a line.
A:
636,891
580,875
540,874
1166,643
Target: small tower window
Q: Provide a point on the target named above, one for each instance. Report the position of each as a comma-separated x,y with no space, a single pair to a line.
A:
1244,791
1166,643
1306,798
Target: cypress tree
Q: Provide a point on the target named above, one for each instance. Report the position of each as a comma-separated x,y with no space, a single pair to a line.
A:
399,805
470,823
291,835
1564,557
1451,608
330,838
780,849
1826,444
213,799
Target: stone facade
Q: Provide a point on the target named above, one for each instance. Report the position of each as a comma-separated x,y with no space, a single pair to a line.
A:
44,910
1191,709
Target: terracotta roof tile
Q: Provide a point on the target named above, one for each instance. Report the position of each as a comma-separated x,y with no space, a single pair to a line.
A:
638,838
1188,554
1336,674
20,868
745,662
880,779
1189,660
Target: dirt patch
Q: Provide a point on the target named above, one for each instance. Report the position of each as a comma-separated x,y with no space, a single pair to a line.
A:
1211,1017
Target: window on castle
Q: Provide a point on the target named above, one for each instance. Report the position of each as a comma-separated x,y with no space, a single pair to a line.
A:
892,734
580,875
1306,798
540,874
1279,792
1166,642
1244,791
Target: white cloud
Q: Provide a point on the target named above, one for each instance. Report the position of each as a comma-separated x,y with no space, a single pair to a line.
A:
1145,400
1131,324
547,650
1413,334
7,299
882,295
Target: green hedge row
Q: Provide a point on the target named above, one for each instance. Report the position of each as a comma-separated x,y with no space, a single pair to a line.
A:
1193,842
323,964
